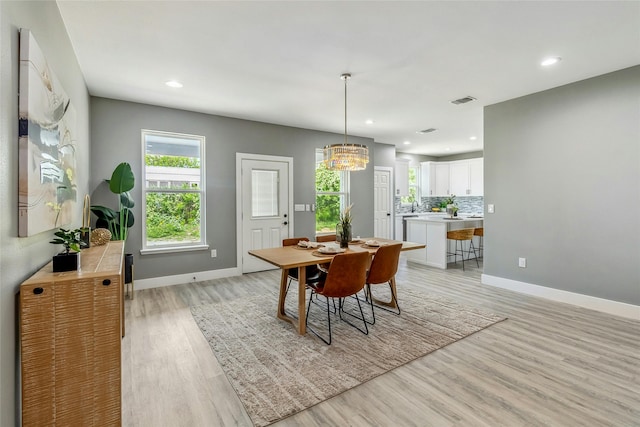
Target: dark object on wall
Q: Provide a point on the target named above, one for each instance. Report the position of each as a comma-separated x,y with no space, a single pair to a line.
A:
66,262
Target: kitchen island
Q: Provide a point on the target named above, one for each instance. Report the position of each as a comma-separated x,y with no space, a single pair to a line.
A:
432,231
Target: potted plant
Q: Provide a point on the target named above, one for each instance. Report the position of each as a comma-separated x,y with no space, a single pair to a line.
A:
343,228
67,260
451,205
118,222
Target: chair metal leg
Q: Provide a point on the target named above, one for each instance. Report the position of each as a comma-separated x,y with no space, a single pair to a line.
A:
364,321
328,321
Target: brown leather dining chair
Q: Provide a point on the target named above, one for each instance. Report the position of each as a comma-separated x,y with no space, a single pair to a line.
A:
383,271
326,238
346,277
313,274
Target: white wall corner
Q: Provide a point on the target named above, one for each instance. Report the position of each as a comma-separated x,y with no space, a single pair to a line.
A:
594,303
179,279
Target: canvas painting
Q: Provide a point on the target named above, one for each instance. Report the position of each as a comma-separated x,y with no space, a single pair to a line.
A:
47,140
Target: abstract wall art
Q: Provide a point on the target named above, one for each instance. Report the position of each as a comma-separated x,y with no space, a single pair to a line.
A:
47,141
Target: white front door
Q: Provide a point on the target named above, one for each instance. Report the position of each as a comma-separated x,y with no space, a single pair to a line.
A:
265,211
382,203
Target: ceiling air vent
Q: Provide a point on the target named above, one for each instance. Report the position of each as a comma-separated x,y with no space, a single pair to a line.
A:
463,100
422,132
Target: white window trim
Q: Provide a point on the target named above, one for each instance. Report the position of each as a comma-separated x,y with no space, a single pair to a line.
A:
175,247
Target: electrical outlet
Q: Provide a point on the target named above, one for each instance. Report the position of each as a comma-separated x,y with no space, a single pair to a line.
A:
491,208
214,253
522,262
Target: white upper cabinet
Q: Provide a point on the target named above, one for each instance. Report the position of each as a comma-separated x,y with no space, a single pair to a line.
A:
434,179
441,187
402,177
476,177
427,179
459,178
467,177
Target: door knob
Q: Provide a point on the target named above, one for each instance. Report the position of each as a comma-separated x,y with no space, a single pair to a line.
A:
285,223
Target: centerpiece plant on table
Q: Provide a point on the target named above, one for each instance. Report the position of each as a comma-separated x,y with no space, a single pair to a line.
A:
343,229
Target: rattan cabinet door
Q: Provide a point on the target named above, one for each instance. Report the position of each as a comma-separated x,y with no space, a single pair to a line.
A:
37,351
106,363
74,354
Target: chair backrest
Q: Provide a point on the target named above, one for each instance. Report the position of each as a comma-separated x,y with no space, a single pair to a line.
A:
463,234
326,238
294,241
479,232
385,264
347,274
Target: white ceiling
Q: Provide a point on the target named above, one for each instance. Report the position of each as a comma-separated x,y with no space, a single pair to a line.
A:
280,62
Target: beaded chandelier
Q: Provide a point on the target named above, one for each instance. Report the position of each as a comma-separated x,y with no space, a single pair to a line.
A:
346,157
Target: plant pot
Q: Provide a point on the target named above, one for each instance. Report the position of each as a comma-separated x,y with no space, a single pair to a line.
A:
66,262
128,268
343,234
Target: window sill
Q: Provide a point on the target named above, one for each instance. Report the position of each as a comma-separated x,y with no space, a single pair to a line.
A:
172,249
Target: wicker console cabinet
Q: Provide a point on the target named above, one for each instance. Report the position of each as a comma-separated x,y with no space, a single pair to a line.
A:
70,332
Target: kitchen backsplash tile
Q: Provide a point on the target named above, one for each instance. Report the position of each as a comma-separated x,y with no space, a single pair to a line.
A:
466,204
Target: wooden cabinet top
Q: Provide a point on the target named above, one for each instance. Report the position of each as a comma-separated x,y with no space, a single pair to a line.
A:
97,261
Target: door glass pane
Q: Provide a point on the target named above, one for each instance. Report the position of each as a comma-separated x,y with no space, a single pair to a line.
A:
264,193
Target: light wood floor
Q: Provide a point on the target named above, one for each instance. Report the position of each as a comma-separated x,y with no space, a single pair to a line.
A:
549,364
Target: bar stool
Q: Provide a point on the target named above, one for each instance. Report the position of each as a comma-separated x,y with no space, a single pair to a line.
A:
479,232
460,236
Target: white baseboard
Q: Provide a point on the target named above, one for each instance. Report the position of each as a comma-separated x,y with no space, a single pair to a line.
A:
178,279
594,303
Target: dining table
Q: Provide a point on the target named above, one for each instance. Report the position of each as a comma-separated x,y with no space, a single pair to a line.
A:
296,257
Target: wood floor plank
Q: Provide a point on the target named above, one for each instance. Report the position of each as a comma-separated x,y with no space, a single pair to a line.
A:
547,364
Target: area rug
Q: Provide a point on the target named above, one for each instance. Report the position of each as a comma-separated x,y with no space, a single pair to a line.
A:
277,373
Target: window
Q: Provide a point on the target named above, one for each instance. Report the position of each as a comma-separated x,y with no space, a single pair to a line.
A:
173,192
332,195
414,187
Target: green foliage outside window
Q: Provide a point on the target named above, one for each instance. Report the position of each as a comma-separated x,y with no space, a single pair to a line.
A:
327,205
413,187
173,216
172,161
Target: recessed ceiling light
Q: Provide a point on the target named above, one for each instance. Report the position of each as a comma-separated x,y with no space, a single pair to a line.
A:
407,142
473,138
550,61
369,121
173,83
447,149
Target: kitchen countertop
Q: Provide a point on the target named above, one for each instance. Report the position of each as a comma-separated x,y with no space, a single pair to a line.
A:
444,218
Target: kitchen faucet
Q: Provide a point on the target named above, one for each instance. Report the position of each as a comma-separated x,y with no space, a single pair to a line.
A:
413,209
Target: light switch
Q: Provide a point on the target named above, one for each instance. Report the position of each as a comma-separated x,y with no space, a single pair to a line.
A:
307,207
490,208
298,207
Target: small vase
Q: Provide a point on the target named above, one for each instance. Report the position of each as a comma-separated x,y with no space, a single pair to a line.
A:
343,234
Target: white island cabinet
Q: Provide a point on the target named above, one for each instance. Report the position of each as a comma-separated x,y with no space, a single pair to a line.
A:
432,231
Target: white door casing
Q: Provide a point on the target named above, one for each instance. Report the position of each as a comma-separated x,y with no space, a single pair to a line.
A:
382,202
264,206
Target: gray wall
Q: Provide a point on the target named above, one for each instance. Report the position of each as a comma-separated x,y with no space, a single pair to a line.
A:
21,257
562,168
115,133
385,155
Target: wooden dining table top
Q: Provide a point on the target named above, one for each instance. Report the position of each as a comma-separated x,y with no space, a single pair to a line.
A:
287,257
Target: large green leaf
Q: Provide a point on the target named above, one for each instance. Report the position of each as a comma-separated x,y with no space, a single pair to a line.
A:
104,213
122,179
126,200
